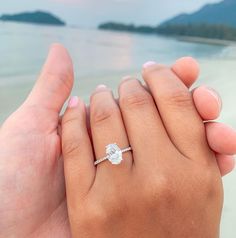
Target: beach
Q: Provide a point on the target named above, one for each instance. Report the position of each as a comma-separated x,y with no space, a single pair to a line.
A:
104,57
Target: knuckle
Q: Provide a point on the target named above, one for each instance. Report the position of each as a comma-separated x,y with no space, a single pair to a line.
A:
159,190
95,214
60,78
178,97
136,99
102,114
68,119
210,184
72,142
103,212
71,147
164,188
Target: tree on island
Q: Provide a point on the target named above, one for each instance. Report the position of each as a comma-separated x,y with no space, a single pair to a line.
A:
221,32
37,17
216,21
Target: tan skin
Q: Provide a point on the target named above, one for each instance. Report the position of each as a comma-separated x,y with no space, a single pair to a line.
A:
169,186
33,200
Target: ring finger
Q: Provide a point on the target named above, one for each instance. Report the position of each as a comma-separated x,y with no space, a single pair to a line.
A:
107,128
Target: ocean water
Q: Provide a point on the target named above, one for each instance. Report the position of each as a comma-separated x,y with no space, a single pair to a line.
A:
104,58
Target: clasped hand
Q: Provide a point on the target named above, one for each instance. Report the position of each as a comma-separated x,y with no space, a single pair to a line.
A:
168,186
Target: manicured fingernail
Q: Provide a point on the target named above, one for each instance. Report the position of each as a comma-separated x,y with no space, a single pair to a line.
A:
216,95
100,87
73,102
148,64
127,78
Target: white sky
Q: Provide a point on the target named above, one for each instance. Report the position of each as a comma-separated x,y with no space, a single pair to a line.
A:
92,12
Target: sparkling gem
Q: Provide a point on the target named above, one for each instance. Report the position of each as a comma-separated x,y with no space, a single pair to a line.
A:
114,154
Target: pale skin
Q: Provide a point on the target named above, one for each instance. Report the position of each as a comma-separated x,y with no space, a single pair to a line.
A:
33,201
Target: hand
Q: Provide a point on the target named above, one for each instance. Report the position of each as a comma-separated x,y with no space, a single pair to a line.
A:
221,138
32,170
33,202
169,186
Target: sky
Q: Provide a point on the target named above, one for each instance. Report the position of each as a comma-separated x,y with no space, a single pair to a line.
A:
89,13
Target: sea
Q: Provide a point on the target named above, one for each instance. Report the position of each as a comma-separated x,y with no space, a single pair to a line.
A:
104,57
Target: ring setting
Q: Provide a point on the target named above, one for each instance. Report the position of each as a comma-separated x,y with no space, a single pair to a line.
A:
113,154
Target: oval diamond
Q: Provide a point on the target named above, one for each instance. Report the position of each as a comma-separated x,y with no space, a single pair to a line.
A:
114,154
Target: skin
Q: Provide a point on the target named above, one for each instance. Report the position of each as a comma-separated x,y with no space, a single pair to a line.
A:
171,177
33,201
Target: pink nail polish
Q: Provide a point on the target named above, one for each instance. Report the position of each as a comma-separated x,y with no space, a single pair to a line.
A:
148,64
73,102
101,86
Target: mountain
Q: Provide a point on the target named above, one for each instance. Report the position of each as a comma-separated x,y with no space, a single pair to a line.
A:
37,17
213,21
222,13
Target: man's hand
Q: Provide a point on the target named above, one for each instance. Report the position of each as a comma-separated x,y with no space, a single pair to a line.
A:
33,202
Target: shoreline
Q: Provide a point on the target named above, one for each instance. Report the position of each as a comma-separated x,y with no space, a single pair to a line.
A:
188,39
208,41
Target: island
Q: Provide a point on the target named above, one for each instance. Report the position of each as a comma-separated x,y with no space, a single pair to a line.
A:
213,21
220,32
37,17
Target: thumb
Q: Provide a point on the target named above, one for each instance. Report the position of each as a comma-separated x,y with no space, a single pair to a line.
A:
55,82
187,69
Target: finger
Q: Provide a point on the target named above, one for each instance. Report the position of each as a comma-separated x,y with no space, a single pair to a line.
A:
221,138
187,69
55,82
107,128
142,121
174,101
77,152
226,163
208,103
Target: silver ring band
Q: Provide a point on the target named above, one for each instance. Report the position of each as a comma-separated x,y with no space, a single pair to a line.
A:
114,154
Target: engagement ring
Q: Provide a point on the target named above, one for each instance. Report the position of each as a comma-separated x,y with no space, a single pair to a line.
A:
114,154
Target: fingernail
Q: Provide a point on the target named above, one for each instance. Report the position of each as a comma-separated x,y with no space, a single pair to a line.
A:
127,78
148,64
73,102
100,87
216,95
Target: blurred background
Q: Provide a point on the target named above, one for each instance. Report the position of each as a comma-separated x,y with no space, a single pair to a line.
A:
109,39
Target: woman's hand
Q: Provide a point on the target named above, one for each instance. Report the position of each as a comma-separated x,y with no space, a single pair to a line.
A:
168,186
30,147
221,138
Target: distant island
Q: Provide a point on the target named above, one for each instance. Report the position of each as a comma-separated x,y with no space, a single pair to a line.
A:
213,21
220,32
37,17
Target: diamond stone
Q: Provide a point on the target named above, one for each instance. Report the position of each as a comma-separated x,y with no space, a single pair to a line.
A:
114,154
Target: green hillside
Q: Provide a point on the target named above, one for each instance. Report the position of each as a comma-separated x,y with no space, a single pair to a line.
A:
222,13
38,17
